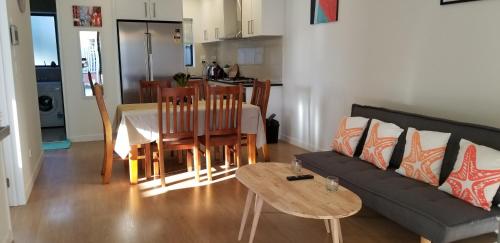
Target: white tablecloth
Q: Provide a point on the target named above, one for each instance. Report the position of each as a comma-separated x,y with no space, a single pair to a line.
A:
137,124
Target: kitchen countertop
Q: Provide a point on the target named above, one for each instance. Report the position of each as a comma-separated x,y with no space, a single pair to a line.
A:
273,84
4,132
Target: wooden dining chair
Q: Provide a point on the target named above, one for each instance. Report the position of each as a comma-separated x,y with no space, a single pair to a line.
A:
200,83
222,122
179,130
260,97
107,165
148,89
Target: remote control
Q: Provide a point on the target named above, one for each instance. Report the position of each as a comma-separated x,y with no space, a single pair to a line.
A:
300,177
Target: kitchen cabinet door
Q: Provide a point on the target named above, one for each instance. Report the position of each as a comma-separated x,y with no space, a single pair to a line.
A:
166,10
263,17
246,18
205,20
132,9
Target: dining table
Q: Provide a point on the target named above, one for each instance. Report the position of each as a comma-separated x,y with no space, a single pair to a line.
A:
137,124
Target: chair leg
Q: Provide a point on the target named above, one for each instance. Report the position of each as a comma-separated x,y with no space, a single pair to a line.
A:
238,155
147,160
180,155
107,165
208,155
156,165
227,156
161,163
196,156
189,161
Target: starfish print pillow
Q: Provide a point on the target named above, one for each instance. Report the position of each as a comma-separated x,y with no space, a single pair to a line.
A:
380,143
348,135
423,156
476,175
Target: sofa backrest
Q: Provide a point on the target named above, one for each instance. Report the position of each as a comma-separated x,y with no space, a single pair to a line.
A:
483,135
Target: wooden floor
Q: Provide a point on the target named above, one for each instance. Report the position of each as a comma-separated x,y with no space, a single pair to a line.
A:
68,204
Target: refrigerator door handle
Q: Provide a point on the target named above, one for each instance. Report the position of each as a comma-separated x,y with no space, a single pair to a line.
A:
145,9
150,57
146,58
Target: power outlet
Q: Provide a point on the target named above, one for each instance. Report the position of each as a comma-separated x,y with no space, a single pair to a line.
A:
203,59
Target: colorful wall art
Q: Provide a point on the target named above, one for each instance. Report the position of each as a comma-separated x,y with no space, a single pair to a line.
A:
86,16
324,11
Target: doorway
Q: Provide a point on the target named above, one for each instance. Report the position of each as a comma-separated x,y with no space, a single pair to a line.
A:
48,75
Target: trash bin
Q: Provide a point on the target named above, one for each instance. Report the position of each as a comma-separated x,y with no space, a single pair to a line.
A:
272,129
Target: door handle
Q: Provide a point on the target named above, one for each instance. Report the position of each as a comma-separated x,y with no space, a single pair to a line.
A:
154,10
145,9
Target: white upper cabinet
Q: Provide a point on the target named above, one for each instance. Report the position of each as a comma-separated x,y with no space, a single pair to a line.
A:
218,20
158,10
263,17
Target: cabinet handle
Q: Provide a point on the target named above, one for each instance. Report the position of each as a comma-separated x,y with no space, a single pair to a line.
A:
145,9
154,10
248,26
216,33
253,22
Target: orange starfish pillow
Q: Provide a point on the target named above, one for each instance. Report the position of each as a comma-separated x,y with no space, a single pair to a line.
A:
348,135
424,154
380,143
476,175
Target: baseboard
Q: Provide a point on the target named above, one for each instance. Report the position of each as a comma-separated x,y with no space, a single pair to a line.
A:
297,142
9,238
31,183
86,138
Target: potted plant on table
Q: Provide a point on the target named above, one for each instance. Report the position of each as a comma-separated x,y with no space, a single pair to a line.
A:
182,79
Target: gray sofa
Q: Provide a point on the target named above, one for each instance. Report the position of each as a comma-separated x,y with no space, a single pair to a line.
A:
417,206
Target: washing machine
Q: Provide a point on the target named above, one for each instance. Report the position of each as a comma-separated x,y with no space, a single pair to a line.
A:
50,104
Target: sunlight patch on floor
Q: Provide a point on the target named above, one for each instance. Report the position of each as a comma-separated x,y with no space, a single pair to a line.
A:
185,180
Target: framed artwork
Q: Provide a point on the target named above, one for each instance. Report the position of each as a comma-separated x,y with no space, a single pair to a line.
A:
445,2
86,16
324,11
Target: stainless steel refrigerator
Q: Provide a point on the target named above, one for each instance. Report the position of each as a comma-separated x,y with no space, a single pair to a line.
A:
148,51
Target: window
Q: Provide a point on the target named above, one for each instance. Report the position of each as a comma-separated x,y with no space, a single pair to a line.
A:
188,42
45,40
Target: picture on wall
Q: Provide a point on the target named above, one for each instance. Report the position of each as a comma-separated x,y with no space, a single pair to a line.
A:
324,11
86,16
444,2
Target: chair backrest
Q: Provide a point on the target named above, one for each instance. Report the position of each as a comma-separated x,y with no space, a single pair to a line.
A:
200,83
97,90
181,118
260,95
148,89
223,110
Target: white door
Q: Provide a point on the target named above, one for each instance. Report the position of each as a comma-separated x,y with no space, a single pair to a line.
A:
257,17
132,9
246,18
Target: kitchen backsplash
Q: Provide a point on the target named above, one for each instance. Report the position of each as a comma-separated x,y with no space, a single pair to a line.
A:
265,52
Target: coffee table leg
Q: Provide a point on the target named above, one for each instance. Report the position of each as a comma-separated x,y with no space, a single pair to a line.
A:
256,217
327,226
248,203
335,229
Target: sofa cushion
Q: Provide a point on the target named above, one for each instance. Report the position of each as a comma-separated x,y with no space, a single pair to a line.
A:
415,205
380,143
476,175
348,135
423,157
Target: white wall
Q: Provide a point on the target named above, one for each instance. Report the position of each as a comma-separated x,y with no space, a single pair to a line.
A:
82,116
412,55
24,145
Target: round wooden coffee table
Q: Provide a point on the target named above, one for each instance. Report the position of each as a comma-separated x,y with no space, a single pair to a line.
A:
304,198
